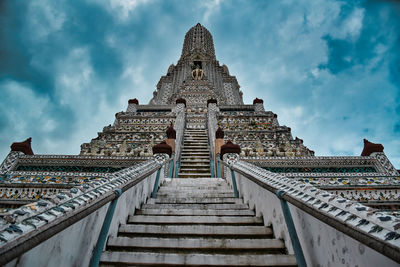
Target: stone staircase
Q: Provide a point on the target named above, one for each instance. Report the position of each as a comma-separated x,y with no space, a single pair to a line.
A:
195,222
195,157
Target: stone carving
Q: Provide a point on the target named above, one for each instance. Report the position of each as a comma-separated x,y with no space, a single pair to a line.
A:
32,216
197,74
10,161
336,207
385,163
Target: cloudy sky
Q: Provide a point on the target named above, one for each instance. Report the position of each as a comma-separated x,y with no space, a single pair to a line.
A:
329,69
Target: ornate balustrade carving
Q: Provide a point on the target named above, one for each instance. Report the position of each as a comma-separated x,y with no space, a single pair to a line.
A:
380,227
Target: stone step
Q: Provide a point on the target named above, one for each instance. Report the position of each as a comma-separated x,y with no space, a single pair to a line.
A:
197,170
176,182
196,195
225,220
193,158
195,200
196,243
195,230
194,164
195,145
194,154
185,148
239,206
195,222
196,151
194,169
198,157
198,190
192,190
193,175
188,190
186,160
196,141
180,259
195,212
191,155
196,182
202,145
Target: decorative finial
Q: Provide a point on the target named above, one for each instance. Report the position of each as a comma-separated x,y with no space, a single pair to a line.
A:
24,146
181,101
171,133
212,101
370,148
258,101
219,134
230,147
162,148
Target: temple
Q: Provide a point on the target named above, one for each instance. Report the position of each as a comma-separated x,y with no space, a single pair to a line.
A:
198,177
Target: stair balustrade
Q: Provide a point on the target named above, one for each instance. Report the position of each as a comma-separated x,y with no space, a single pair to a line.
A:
331,230
69,225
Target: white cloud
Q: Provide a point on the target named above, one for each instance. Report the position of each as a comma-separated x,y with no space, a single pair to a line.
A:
74,76
45,17
351,26
354,23
26,112
211,7
125,7
121,9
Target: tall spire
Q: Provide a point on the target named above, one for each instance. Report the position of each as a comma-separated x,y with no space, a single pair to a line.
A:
198,40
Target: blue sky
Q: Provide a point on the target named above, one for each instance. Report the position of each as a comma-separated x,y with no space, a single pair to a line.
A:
329,69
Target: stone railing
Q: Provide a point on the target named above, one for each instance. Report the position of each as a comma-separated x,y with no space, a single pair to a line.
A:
180,131
331,230
212,128
67,227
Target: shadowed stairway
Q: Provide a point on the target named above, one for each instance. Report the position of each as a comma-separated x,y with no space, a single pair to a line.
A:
195,222
195,161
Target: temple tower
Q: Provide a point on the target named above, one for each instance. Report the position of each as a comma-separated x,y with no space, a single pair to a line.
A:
198,75
197,78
